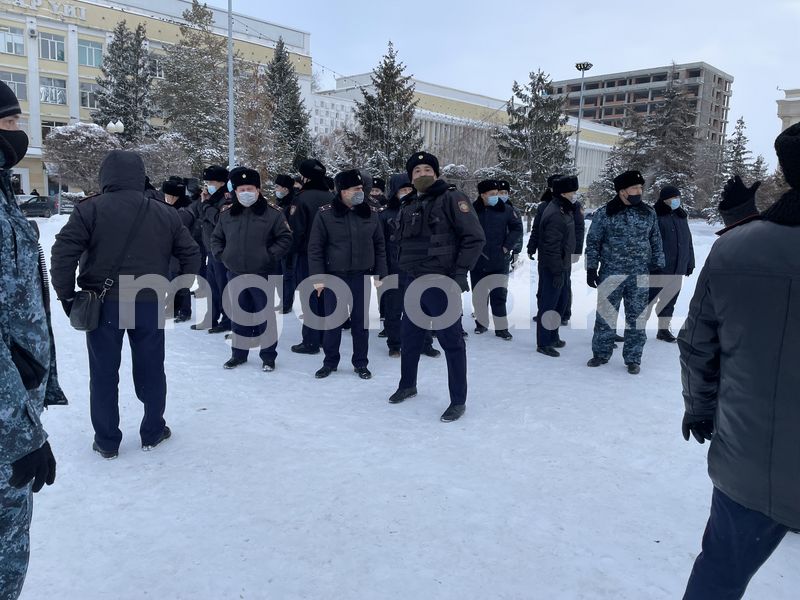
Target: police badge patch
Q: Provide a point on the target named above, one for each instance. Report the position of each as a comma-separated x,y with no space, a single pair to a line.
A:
463,206
292,209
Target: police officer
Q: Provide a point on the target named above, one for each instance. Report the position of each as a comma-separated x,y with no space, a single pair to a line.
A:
213,198
400,191
556,244
502,227
250,239
533,240
174,192
624,242
313,195
580,235
504,187
377,195
347,244
673,223
284,195
26,362
440,235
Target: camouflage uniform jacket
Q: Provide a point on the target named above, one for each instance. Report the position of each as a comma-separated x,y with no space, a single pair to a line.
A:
23,327
624,240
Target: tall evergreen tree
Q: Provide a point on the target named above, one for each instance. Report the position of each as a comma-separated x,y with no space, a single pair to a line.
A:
193,96
671,133
255,141
630,153
386,133
289,122
124,92
534,144
737,158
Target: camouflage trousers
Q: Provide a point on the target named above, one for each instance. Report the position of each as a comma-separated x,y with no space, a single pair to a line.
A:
16,506
609,298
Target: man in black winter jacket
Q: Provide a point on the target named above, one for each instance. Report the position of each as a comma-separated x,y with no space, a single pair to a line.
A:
212,199
502,227
284,196
95,235
676,239
347,245
533,240
174,193
739,354
250,239
556,245
309,200
440,235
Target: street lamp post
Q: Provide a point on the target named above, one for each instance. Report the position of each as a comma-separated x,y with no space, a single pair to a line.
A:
231,124
582,67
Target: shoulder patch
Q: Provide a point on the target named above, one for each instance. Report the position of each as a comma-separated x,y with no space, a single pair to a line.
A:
463,206
225,207
452,186
325,207
274,207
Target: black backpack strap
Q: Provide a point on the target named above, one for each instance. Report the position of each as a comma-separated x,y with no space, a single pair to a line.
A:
112,274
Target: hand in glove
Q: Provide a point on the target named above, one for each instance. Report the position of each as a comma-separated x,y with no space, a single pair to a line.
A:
530,255
736,192
67,305
702,428
689,271
39,466
592,278
461,280
558,281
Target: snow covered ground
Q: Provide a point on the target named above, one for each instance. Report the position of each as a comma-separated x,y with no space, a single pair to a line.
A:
559,482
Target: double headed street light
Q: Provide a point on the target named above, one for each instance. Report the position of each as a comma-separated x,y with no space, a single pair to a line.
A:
115,127
582,67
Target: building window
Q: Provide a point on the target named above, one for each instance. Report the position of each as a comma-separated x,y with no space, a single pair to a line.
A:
18,82
693,73
52,90
11,40
640,96
90,54
51,46
156,68
48,126
89,95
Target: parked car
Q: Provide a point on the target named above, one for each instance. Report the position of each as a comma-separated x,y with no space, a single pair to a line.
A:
38,206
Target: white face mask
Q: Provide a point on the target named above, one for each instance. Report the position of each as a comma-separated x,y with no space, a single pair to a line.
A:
280,195
357,198
247,198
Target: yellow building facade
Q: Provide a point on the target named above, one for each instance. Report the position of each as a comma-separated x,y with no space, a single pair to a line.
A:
51,52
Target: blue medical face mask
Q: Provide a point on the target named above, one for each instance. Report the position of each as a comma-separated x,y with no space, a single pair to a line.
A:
212,189
493,200
504,198
675,203
230,187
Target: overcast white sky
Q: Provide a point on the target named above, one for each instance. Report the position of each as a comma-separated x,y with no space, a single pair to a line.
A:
483,46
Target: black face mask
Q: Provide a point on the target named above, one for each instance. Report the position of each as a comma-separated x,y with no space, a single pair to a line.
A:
635,200
13,145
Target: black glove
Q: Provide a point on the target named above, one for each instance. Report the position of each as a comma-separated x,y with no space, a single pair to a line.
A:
530,255
702,428
39,466
558,281
461,280
736,192
592,278
67,305
690,271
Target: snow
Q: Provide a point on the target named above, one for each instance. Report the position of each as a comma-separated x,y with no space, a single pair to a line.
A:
559,482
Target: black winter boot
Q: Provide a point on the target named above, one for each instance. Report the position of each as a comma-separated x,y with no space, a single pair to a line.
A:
453,413
402,394
665,335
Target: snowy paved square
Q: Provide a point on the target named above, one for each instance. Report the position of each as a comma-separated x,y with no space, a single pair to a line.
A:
559,482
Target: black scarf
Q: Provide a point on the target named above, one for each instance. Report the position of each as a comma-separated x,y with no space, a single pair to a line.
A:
786,211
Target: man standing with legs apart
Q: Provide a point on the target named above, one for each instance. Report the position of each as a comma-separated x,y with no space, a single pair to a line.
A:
212,199
739,353
26,363
439,235
623,244
100,234
556,244
673,222
503,230
250,239
347,244
302,213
